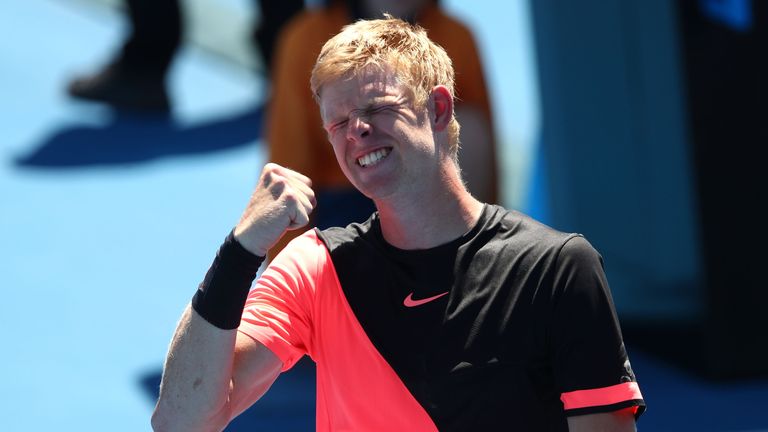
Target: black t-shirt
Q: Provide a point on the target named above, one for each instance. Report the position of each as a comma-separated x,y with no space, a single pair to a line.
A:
511,326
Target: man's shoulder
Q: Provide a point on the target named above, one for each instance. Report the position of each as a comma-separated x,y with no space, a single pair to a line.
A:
513,225
335,238
521,235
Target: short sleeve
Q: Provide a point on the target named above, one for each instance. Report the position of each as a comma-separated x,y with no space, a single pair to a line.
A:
278,312
591,369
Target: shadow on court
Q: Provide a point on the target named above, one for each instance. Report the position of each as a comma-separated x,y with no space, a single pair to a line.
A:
131,138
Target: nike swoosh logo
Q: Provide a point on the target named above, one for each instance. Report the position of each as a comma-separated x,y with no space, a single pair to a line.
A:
410,302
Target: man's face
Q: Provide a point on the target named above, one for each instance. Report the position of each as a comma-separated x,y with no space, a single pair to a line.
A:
383,144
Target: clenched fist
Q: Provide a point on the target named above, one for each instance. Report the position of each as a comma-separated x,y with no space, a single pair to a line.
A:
283,200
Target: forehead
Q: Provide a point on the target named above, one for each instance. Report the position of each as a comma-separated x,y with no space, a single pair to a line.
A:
358,90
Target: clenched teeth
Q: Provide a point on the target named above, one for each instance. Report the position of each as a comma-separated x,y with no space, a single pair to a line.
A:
373,158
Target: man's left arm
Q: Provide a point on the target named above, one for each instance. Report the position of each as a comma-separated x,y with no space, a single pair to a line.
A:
591,367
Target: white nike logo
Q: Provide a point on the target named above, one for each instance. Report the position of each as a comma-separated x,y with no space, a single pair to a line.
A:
410,302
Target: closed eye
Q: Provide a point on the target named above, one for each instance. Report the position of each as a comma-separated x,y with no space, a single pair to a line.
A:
337,126
363,113
340,124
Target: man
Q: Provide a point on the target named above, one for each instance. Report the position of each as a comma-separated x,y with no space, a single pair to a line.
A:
438,313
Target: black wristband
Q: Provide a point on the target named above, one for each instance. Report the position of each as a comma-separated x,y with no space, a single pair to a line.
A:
221,296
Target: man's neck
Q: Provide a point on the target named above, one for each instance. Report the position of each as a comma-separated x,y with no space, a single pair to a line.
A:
429,221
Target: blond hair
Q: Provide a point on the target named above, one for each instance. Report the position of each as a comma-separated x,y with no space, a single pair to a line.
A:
419,63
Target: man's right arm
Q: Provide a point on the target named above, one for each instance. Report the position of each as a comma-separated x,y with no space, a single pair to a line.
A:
210,376
212,373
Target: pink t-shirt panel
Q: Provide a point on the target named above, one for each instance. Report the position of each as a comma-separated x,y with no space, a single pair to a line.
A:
298,307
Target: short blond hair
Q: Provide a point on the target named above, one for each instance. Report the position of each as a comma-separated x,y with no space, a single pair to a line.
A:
419,63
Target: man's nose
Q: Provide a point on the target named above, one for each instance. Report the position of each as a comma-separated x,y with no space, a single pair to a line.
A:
358,127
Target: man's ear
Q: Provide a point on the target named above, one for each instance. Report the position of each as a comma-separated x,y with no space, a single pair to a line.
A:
442,103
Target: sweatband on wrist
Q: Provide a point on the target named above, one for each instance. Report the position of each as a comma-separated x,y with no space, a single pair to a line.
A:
221,296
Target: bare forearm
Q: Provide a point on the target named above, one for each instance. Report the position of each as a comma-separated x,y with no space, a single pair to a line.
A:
195,388
210,374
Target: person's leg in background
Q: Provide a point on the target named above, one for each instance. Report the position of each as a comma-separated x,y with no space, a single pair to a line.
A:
136,77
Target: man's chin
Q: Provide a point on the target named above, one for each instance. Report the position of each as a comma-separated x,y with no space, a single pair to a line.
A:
372,190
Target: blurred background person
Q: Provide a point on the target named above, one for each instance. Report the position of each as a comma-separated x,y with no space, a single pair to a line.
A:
136,78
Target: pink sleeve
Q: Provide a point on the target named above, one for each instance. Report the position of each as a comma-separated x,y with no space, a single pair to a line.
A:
278,312
623,393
